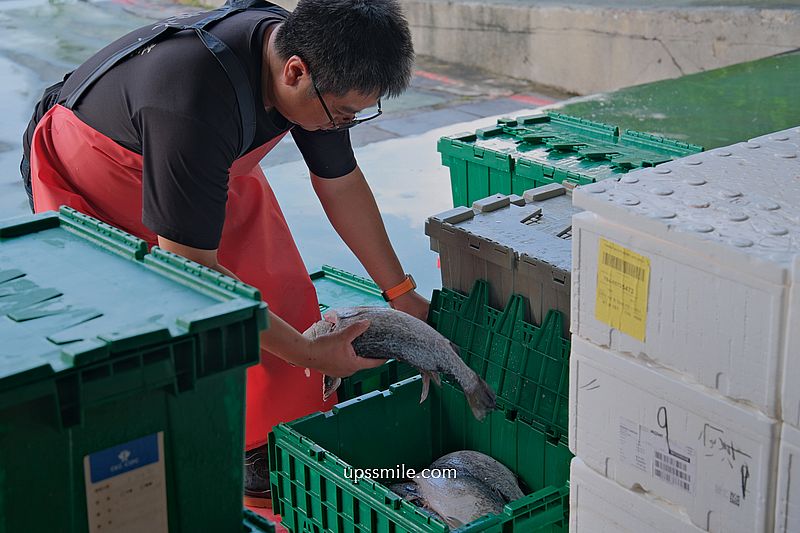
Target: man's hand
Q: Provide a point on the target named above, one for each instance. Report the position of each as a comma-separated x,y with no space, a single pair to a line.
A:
412,303
333,354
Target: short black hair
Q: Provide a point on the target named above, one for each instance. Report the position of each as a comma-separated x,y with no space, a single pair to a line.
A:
360,45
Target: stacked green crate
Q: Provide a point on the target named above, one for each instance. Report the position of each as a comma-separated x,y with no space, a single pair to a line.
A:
122,378
337,288
518,244
526,365
517,155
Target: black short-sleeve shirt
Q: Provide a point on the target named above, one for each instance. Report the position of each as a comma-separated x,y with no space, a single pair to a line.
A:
173,104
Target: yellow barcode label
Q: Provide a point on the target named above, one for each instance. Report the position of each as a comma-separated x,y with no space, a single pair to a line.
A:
623,279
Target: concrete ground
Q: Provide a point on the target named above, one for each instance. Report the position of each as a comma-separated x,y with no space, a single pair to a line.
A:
591,46
712,109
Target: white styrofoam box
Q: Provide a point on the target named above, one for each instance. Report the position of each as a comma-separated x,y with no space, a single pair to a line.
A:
721,232
787,509
790,391
714,321
599,505
646,427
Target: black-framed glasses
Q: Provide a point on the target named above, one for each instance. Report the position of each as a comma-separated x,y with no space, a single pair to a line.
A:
347,125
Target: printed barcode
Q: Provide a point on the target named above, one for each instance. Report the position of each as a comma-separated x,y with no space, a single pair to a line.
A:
673,471
623,266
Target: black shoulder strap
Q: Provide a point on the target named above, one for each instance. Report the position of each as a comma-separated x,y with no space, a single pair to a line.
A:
223,54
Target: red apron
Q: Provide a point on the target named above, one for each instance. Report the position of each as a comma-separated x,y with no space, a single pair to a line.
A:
75,165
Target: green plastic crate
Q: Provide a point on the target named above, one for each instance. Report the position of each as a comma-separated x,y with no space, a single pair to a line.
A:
528,368
117,363
255,523
337,288
517,155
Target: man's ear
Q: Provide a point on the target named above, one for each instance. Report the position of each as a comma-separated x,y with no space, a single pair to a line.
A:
294,71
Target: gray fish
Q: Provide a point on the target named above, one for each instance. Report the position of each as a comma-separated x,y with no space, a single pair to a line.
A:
484,468
406,490
397,335
478,486
460,500
409,491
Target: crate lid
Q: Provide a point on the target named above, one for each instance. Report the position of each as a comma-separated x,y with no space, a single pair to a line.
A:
527,366
338,288
536,226
577,149
592,142
739,204
74,291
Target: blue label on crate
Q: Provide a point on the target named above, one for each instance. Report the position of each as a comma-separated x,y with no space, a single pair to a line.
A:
123,458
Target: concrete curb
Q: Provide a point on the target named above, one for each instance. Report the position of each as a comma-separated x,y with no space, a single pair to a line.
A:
585,49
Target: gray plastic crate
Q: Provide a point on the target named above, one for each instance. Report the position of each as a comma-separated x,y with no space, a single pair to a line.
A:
519,244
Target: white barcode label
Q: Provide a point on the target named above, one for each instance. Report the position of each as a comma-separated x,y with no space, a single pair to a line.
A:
672,470
649,451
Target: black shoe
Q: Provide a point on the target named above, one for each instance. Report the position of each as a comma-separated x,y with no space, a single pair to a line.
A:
256,478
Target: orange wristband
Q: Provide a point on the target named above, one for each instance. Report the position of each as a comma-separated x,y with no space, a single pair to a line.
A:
407,285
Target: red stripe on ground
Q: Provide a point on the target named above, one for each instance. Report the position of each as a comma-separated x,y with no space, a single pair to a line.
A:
436,77
534,100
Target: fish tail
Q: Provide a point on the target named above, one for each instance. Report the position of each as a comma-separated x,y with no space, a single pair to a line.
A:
481,398
329,386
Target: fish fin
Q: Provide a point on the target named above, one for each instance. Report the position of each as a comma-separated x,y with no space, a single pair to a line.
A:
426,385
331,316
436,378
329,386
481,398
502,495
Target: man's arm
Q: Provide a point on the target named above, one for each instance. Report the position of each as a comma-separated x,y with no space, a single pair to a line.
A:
350,206
331,354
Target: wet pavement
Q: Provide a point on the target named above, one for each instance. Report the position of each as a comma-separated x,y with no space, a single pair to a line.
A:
44,39
712,109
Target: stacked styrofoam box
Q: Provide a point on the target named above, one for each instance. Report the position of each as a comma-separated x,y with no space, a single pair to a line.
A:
647,427
519,244
787,513
600,505
687,408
